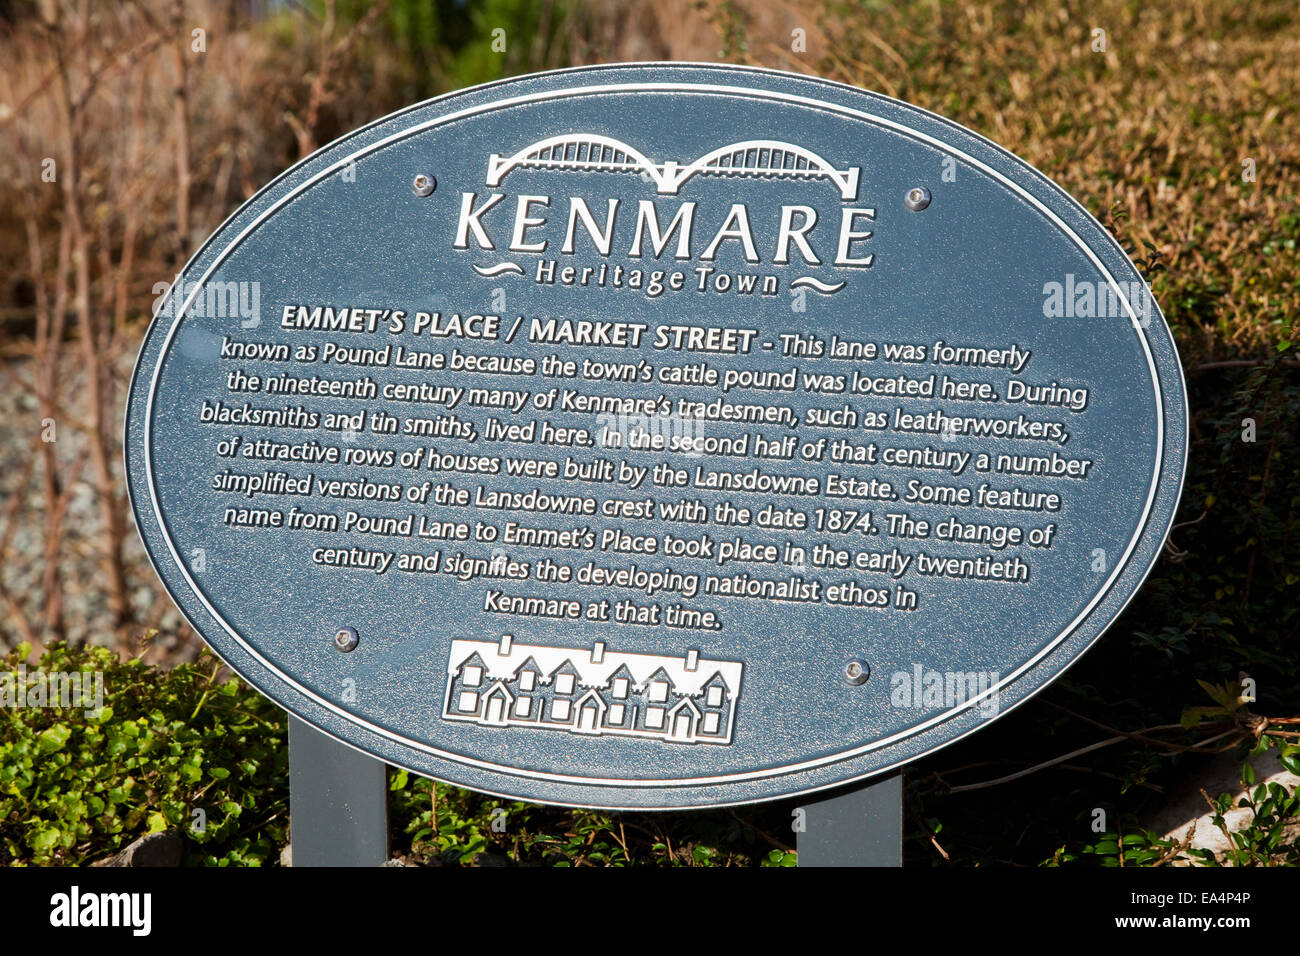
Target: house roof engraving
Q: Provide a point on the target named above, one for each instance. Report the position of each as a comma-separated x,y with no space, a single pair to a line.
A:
640,667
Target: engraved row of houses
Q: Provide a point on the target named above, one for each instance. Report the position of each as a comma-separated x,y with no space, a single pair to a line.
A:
686,699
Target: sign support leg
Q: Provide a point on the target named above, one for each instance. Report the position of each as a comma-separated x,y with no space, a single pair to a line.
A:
860,825
338,801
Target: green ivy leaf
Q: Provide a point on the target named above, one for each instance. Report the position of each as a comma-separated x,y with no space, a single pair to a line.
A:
53,738
43,841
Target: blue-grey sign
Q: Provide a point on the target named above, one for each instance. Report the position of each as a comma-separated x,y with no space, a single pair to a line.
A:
656,436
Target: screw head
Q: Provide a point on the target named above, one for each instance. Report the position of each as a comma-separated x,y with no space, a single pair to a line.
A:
423,184
857,672
346,638
918,197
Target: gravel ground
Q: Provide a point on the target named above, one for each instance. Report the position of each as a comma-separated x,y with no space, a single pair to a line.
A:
86,613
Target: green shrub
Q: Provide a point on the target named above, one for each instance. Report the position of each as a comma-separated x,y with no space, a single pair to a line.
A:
177,749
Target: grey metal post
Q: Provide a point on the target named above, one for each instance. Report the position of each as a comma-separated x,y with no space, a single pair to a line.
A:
338,802
858,826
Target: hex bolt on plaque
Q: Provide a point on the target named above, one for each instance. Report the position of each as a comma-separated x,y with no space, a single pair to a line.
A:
857,672
346,638
918,197
423,185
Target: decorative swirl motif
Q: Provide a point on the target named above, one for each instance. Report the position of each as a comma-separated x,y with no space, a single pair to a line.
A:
511,267
810,283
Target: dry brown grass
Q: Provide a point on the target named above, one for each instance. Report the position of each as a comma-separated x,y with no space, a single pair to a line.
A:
1160,123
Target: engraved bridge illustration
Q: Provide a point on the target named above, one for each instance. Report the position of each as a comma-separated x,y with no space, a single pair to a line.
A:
686,700
759,158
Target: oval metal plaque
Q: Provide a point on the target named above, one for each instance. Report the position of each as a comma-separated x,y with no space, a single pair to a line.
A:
656,436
